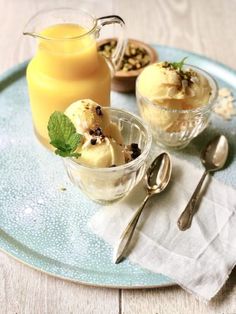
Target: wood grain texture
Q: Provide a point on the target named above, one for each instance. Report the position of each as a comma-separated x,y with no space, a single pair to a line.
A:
206,27
28,291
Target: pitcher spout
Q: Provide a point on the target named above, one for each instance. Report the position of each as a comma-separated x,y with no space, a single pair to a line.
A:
30,29
34,25
35,35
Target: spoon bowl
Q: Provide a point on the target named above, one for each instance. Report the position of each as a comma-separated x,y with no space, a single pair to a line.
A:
213,158
158,174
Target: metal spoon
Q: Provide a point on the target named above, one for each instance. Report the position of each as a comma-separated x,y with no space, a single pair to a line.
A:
157,178
213,158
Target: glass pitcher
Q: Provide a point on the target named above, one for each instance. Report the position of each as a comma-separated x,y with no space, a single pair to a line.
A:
67,66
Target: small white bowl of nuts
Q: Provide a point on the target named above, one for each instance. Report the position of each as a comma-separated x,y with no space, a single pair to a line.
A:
136,57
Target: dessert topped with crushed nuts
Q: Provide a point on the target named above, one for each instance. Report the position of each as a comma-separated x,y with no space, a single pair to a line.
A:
174,85
175,98
135,57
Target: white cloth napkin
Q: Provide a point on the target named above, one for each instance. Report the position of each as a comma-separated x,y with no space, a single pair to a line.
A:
199,259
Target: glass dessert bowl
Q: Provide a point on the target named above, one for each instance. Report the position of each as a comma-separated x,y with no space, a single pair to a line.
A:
176,113
111,182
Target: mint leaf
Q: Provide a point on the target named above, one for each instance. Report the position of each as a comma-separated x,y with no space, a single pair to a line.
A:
179,65
60,145
66,154
60,127
63,135
74,141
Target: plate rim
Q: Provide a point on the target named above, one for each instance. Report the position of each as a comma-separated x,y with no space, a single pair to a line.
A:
86,283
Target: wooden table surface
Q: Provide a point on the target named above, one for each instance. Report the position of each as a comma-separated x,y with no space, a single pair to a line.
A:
205,27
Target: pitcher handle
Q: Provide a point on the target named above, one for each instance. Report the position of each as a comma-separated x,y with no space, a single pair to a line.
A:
118,53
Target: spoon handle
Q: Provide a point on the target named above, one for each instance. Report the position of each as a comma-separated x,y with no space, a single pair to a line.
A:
185,219
127,234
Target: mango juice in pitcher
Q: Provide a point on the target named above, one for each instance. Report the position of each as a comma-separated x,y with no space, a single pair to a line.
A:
67,66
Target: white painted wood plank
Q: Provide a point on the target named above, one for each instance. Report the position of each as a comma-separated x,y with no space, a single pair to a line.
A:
28,291
206,27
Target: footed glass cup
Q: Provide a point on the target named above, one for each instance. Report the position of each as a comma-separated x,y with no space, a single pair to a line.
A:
175,128
107,185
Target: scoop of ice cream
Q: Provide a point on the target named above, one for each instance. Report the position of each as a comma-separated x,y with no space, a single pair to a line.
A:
106,154
114,132
102,144
87,114
165,85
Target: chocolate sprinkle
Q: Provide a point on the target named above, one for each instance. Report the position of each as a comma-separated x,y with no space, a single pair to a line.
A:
99,110
136,151
93,141
134,146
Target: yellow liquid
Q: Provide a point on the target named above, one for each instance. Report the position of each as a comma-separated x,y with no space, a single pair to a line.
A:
65,69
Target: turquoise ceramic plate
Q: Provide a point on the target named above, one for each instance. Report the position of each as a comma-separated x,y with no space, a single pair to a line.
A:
44,225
